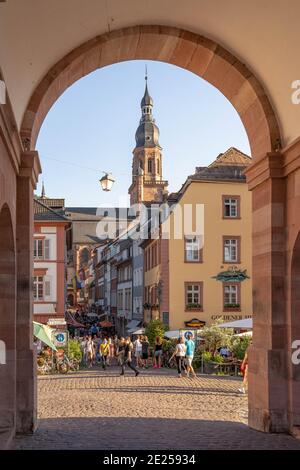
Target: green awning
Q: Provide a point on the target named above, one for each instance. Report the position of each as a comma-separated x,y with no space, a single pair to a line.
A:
43,332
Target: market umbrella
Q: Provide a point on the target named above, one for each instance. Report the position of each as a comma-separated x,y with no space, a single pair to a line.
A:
71,321
172,334
105,324
140,331
43,332
244,323
245,334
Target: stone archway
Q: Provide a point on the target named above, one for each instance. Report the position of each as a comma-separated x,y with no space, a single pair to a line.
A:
295,334
7,325
268,381
193,52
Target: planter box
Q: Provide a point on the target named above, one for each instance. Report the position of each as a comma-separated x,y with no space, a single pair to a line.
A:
210,367
231,309
223,367
193,309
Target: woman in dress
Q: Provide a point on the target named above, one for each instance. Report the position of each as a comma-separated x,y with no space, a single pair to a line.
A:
145,351
90,351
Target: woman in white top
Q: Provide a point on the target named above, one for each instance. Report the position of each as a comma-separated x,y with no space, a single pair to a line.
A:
179,353
90,351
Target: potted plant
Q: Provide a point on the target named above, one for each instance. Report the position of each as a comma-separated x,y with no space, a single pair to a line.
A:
230,307
211,362
193,306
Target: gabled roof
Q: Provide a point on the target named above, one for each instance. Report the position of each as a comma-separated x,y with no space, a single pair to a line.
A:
232,156
43,212
228,166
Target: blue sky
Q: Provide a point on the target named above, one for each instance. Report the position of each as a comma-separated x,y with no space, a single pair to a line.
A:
91,128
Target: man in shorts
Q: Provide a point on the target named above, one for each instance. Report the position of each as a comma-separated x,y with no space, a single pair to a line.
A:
190,350
138,351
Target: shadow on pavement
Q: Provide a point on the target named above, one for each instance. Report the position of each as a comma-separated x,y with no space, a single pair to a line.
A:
108,433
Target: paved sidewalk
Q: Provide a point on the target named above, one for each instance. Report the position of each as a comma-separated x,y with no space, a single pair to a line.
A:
93,409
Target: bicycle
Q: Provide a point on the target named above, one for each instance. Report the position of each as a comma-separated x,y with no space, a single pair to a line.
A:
45,368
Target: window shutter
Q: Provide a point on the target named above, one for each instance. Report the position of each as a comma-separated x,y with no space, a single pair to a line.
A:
47,248
47,288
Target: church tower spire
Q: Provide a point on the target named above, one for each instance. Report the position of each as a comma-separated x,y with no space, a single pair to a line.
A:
147,182
43,193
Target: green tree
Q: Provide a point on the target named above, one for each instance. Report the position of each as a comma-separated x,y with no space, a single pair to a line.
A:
153,329
216,337
239,345
74,349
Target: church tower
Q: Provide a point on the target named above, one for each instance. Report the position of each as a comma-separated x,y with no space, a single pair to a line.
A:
147,182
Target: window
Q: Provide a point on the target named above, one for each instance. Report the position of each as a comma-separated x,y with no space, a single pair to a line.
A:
192,250
165,318
84,256
127,299
231,296
38,288
120,299
193,295
150,166
231,207
113,273
231,249
38,248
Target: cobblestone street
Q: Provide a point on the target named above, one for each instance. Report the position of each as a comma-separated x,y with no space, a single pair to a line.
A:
93,409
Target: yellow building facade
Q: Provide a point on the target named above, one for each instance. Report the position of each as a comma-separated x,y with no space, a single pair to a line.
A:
205,273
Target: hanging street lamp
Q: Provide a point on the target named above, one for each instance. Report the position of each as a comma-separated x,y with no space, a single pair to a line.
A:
107,181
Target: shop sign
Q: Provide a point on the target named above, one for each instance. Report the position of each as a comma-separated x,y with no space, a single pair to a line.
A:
195,323
60,338
56,321
227,317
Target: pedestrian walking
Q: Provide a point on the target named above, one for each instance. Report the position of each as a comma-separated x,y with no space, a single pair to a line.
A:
121,350
83,348
104,352
115,341
244,369
138,351
145,351
190,350
128,351
157,352
111,353
90,351
179,354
